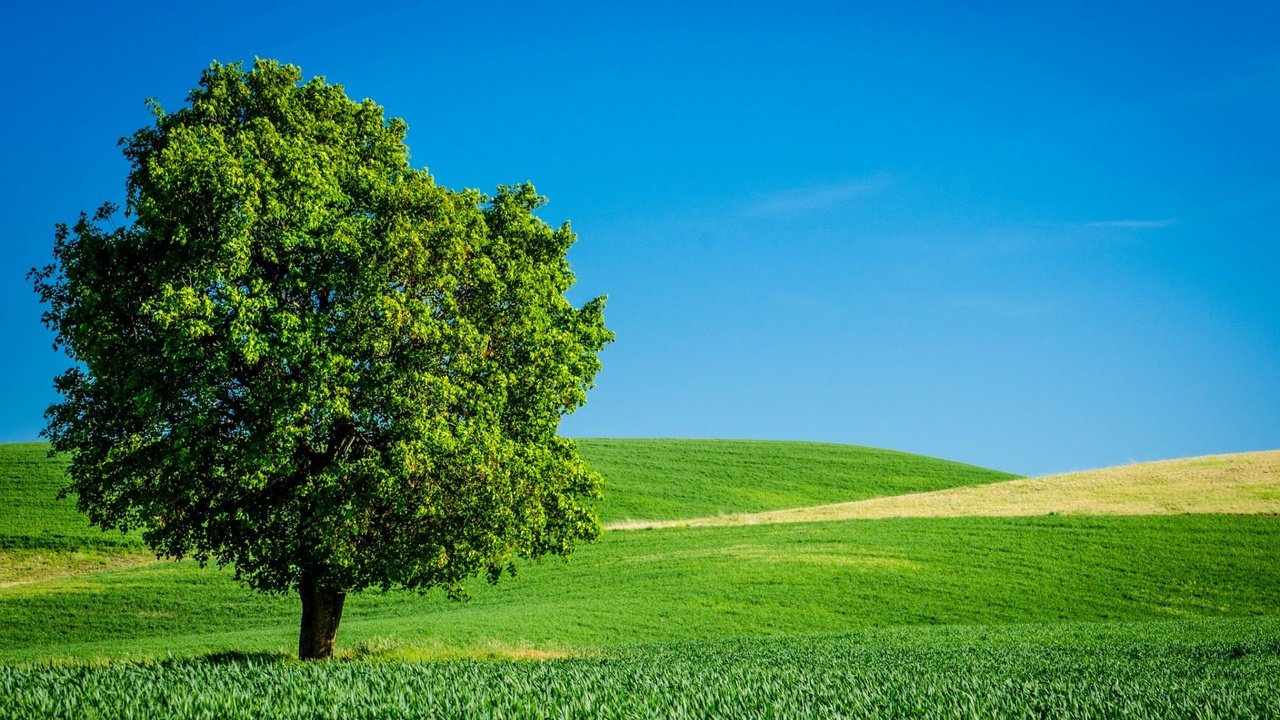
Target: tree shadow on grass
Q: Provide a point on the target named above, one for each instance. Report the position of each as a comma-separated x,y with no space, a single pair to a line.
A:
237,657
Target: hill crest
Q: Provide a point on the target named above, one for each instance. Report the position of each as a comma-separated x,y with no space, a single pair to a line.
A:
1238,483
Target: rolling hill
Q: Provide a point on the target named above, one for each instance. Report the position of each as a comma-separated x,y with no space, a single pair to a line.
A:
646,480
1241,483
674,584
667,479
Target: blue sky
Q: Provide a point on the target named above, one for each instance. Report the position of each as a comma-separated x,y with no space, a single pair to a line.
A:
1031,236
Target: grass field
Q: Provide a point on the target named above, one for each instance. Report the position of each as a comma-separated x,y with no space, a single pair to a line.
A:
1238,484
1041,615
646,479
663,585
669,479
1162,671
32,517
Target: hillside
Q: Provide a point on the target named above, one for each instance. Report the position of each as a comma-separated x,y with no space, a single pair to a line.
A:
649,479
111,601
43,538
32,516
645,479
702,583
1241,483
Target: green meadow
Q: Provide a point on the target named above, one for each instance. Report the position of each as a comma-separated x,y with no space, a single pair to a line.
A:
1174,615
673,479
1205,669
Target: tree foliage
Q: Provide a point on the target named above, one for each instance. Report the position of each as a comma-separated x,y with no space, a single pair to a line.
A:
303,358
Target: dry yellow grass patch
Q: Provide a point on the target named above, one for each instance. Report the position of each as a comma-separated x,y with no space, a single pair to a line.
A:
397,649
22,567
484,653
1243,483
758,554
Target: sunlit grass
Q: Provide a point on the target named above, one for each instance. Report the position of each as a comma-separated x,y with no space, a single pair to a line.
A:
669,479
1046,615
1244,483
1135,670
688,584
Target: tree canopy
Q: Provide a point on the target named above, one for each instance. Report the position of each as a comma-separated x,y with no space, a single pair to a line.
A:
301,357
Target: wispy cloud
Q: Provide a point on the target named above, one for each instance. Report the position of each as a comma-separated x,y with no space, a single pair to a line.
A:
1132,223
810,199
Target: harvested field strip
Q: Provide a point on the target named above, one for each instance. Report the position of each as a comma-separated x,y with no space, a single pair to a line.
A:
1238,484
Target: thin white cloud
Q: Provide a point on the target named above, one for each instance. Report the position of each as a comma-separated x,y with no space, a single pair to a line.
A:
811,199
1132,224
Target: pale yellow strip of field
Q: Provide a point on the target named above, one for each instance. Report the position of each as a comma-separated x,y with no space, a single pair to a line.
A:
1243,483
23,567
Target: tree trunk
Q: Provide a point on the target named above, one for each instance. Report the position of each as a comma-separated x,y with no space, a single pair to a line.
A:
321,613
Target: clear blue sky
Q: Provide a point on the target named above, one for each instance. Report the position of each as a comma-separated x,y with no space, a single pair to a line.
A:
1032,236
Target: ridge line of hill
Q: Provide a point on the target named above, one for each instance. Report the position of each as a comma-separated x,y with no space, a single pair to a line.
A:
1238,483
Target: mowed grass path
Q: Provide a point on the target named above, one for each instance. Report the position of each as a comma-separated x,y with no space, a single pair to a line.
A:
1241,483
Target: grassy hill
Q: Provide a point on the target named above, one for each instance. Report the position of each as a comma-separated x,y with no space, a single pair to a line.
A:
44,538
1241,483
665,585
668,479
1167,615
32,516
646,479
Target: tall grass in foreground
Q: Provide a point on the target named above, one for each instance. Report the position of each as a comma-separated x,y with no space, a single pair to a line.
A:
1149,671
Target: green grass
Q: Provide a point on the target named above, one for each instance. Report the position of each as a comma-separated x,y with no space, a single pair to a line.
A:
1044,616
32,516
667,585
676,479
1143,670
646,479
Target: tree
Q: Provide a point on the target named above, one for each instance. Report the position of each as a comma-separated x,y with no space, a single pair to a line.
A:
302,358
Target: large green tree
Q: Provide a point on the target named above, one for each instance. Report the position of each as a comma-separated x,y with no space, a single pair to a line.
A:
300,357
